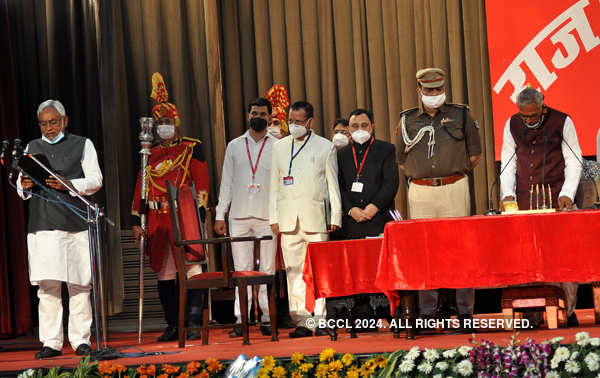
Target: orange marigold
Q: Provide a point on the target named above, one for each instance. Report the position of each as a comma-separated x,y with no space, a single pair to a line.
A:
163,375
120,368
213,365
192,367
183,375
141,369
203,374
151,370
170,369
105,368
297,374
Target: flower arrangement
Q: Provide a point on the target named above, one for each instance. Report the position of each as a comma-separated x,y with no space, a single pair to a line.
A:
549,359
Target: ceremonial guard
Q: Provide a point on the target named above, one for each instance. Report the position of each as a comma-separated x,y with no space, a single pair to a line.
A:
180,161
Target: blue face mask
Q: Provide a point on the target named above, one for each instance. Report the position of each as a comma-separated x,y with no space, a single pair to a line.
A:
56,139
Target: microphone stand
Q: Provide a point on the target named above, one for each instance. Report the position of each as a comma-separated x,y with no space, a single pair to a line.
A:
94,214
544,173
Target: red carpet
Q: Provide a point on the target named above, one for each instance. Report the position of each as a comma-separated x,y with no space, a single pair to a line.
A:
18,354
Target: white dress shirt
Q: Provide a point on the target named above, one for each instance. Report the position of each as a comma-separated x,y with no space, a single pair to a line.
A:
234,194
508,184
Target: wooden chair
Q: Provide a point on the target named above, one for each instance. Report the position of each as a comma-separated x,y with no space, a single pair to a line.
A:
225,278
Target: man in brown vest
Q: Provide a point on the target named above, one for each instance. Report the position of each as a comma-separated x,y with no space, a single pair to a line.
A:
540,150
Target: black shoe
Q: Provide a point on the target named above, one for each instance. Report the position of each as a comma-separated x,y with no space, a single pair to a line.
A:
47,352
266,330
321,332
170,334
300,332
572,320
288,323
236,331
83,350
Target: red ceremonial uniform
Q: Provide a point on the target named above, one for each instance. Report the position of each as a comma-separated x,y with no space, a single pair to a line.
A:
180,163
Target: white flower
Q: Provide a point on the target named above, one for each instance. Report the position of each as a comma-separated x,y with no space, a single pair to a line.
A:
464,350
438,376
561,354
557,340
464,368
574,355
425,367
583,338
441,366
412,353
431,354
592,361
572,367
450,353
552,374
27,373
406,366
595,341
554,363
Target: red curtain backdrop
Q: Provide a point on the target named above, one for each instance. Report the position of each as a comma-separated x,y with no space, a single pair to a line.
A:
15,308
553,45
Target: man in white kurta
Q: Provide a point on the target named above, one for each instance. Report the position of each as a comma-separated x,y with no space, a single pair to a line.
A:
304,186
244,193
57,240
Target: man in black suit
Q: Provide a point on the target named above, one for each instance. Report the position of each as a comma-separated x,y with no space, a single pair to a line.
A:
368,178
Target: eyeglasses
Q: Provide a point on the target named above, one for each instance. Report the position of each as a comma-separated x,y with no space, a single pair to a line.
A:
52,123
298,122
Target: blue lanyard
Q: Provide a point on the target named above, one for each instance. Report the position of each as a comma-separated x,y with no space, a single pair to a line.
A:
293,156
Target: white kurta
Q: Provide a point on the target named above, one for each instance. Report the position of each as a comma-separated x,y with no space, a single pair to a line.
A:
60,255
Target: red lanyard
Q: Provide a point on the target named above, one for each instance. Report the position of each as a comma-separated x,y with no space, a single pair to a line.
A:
255,167
362,164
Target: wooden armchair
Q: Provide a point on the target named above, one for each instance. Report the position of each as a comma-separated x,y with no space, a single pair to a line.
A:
225,278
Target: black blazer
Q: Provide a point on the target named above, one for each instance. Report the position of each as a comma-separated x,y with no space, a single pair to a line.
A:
379,177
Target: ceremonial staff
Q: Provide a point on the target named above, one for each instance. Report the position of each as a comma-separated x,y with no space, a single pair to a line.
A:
146,139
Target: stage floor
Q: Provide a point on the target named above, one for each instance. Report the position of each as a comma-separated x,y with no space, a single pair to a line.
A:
18,354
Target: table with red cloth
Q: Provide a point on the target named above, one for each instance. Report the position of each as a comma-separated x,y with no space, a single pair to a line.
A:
340,268
489,251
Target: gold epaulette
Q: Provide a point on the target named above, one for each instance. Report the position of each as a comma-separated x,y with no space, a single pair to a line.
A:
406,111
462,106
191,140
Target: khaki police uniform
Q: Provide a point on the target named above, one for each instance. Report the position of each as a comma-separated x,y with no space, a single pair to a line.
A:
435,152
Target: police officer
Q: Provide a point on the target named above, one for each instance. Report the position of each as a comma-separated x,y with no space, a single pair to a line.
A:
438,143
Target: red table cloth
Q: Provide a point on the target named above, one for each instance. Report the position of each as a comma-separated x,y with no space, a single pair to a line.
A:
340,268
487,251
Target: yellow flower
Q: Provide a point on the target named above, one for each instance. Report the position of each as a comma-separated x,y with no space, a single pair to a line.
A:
334,375
381,362
279,372
369,363
297,358
263,373
306,367
297,374
268,363
352,372
336,365
347,359
327,354
321,371
364,372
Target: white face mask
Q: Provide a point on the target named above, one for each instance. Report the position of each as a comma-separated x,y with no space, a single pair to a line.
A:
274,131
361,136
55,140
433,101
165,132
339,140
297,131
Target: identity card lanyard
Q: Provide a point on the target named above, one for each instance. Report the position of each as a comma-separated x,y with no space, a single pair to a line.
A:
356,185
254,187
289,180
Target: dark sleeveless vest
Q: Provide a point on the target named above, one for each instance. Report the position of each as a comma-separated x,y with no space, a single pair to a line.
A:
530,157
65,159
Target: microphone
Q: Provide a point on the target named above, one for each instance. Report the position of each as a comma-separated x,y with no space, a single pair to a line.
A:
544,169
491,210
17,152
559,134
3,150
